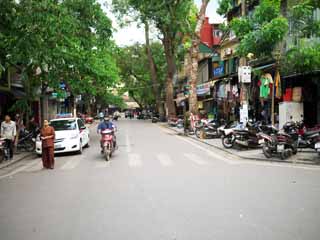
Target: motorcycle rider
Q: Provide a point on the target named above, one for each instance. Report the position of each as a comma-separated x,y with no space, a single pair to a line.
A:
107,124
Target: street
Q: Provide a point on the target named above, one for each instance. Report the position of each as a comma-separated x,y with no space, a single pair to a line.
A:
159,185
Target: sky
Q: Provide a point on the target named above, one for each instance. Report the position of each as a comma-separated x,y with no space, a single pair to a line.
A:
132,34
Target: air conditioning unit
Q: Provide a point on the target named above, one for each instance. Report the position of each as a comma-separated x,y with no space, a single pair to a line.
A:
228,51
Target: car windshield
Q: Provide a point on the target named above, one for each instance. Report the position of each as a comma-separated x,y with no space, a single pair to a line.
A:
62,125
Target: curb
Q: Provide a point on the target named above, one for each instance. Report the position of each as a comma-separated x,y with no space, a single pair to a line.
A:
247,158
11,162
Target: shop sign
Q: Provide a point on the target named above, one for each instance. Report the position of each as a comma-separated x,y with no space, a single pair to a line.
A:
203,89
244,74
218,71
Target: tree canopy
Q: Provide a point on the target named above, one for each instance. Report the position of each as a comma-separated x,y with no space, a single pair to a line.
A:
260,32
69,41
135,75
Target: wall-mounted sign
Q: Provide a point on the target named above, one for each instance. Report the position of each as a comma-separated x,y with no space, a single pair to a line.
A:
218,71
244,74
203,89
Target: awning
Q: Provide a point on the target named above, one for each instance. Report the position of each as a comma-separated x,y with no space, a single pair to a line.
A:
264,66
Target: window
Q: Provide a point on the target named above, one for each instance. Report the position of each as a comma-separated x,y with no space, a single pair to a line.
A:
63,125
80,124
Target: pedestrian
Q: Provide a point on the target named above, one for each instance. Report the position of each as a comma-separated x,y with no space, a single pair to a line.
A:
47,136
9,132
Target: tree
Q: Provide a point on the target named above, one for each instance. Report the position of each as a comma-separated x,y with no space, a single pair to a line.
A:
304,53
69,41
193,100
136,77
260,32
169,17
153,73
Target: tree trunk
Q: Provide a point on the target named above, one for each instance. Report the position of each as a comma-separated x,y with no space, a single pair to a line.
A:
193,100
170,58
153,73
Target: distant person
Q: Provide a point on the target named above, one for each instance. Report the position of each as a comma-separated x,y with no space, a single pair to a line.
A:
33,126
47,135
101,116
9,132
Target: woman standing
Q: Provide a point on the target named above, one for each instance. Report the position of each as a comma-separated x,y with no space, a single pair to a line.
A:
47,136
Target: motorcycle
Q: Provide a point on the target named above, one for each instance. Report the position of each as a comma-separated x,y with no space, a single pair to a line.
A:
207,129
107,143
5,154
283,144
176,122
155,118
27,140
226,131
308,138
246,135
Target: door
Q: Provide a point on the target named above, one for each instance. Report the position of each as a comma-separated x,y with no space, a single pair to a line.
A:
83,132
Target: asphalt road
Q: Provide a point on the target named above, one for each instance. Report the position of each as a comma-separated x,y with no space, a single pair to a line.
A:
159,186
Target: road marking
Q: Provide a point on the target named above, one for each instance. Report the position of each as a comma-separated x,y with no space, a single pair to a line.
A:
102,164
134,160
19,169
36,167
209,152
165,160
194,158
71,164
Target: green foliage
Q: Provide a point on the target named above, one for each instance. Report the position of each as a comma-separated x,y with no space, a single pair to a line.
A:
304,54
304,58
68,40
224,6
135,75
261,32
303,23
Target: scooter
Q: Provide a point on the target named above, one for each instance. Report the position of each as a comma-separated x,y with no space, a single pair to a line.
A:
207,129
283,144
107,143
227,131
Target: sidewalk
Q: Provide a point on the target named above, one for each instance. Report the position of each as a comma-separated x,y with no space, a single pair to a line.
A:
17,157
305,156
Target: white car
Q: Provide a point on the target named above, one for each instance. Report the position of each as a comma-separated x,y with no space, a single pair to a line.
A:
71,136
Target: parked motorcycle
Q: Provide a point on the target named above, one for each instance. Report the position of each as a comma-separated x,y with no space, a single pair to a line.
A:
207,129
308,138
283,144
176,122
226,131
107,143
27,140
246,135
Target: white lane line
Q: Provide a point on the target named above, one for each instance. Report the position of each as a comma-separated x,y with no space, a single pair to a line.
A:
128,144
165,160
194,158
102,164
36,167
134,160
209,152
71,164
19,169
